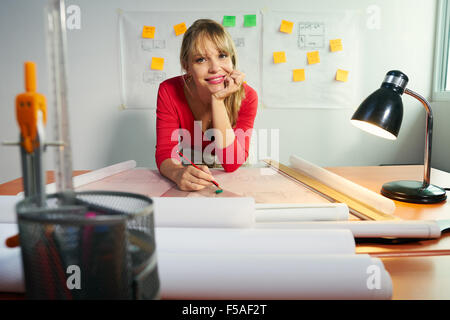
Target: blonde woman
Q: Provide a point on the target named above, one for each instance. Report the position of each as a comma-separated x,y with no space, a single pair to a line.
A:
211,97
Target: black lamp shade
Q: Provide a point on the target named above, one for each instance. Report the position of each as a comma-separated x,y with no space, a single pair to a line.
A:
384,109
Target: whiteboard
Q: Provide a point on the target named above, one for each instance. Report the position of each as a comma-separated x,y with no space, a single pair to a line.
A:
139,83
312,31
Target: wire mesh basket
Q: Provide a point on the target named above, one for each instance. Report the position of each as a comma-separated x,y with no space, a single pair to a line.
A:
89,245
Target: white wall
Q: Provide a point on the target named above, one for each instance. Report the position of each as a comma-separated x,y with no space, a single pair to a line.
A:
102,134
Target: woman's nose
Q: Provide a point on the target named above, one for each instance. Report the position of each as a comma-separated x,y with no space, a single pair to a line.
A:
214,66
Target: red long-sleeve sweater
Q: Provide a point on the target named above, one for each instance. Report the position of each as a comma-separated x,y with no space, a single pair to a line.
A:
174,118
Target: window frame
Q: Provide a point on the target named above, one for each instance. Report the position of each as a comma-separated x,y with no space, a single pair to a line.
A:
441,57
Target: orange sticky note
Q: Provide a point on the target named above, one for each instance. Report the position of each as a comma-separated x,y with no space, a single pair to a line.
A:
341,75
279,57
180,28
313,57
157,63
298,75
148,32
286,26
336,45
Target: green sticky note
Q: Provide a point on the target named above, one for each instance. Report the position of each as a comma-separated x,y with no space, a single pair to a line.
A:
229,21
250,20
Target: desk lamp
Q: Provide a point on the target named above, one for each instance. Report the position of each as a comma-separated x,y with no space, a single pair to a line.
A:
381,114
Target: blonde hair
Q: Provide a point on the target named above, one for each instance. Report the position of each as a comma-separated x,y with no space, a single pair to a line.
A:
193,40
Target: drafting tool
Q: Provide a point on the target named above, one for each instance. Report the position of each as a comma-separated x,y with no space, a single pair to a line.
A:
215,183
57,47
31,116
356,207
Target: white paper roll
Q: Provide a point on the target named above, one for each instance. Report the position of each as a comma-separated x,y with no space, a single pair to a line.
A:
251,241
343,185
251,276
96,175
204,212
277,212
367,229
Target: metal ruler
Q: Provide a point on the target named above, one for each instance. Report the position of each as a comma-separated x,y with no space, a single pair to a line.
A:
356,207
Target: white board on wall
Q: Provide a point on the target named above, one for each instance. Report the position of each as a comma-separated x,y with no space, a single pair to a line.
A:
139,83
311,32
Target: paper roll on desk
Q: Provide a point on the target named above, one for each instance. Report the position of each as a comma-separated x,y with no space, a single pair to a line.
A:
252,276
253,241
237,212
417,229
343,185
266,212
96,175
204,212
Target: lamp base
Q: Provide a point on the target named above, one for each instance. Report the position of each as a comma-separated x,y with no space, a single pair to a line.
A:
413,191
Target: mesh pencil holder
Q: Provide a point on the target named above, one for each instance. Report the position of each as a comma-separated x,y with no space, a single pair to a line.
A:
89,245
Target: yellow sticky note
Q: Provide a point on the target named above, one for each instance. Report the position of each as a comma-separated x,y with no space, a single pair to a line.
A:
341,75
148,32
298,75
157,63
279,57
180,28
313,57
286,26
336,45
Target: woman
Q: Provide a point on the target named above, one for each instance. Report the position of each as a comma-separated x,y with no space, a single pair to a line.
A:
210,97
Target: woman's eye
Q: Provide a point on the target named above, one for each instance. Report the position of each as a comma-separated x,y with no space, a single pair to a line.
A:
223,56
200,60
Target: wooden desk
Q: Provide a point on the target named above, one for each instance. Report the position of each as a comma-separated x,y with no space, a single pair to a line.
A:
418,270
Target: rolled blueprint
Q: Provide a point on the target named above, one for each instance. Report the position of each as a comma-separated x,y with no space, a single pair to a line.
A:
204,212
253,241
96,175
421,229
253,276
277,212
343,185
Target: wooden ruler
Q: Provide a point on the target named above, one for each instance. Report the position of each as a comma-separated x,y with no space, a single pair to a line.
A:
358,208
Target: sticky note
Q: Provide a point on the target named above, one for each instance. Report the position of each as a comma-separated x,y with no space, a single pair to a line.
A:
250,20
148,32
341,75
229,21
157,63
313,57
298,75
180,28
336,45
279,57
286,26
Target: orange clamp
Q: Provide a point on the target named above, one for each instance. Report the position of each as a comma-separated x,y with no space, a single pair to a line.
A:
27,106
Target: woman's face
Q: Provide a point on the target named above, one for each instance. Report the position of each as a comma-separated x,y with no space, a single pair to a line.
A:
208,68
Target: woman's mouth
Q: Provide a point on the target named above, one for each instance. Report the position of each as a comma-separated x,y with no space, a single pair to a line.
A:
215,80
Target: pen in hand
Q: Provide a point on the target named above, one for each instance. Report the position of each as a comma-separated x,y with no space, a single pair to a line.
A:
215,183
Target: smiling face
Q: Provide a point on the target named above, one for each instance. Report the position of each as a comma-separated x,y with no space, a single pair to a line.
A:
208,65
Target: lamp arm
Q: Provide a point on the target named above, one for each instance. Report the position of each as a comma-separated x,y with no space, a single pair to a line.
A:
428,136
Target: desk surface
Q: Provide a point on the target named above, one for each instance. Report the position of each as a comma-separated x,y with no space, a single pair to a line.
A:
419,270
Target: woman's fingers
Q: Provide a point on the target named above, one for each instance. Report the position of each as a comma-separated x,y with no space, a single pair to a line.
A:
193,179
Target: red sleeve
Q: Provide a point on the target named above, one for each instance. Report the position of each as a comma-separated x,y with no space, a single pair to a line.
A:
167,122
233,156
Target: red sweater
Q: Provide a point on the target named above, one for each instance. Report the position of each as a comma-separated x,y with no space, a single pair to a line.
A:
173,113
